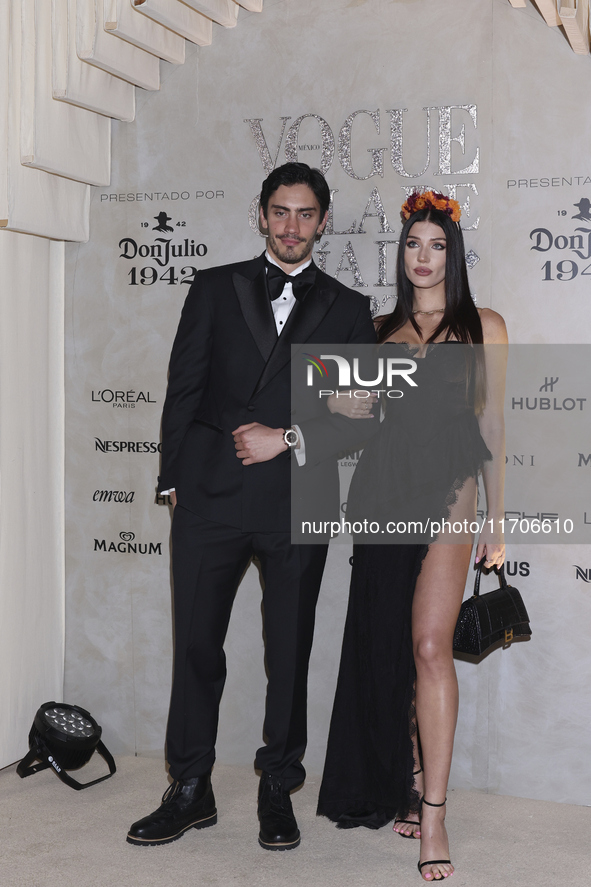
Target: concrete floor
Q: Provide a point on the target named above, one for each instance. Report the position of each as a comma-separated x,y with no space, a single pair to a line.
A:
56,837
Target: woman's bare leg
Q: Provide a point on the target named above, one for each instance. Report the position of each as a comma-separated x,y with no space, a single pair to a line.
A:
437,599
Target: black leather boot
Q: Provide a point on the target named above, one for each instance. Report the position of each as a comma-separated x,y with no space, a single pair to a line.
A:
279,829
185,805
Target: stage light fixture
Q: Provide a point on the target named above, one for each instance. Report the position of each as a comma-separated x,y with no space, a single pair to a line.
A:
64,737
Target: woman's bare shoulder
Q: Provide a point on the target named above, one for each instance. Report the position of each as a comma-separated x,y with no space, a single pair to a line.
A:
494,330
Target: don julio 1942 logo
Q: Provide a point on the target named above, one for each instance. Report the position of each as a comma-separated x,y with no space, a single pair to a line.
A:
573,244
161,253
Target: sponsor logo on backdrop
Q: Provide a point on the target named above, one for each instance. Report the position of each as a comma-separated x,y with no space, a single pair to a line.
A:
121,400
553,404
113,496
128,545
512,567
449,147
511,514
350,460
582,573
127,446
166,255
567,245
163,499
521,461
162,220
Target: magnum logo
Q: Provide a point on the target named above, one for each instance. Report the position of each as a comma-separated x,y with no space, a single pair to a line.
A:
128,545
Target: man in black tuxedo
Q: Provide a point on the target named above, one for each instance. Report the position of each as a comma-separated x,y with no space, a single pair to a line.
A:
228,436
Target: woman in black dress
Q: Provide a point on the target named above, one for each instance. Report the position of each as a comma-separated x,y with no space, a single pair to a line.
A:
393,723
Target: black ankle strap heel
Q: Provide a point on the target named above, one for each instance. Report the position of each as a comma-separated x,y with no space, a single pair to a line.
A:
433,861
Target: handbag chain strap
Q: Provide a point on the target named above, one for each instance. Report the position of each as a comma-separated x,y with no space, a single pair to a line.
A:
500,571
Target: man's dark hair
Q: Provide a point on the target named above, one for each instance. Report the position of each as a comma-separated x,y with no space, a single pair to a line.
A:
296,174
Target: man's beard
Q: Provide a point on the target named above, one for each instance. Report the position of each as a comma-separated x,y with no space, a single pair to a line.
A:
291,255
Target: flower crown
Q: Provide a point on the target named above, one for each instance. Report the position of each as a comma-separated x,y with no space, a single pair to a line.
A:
420,200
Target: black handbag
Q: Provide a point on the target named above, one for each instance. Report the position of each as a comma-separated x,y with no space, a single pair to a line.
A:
488,618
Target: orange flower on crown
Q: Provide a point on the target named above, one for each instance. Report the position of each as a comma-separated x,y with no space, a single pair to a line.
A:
422,199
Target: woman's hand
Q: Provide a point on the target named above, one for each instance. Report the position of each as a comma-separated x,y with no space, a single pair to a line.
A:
492,552
355,404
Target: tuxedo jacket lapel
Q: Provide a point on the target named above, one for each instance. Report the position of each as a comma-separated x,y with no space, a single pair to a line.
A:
305,317
251,291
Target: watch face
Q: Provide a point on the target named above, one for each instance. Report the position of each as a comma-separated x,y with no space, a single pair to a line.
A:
290,437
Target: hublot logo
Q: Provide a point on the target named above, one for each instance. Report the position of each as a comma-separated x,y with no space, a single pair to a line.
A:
128,545
548,403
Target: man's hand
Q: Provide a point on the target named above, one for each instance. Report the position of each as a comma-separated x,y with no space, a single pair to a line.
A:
173,498
354,404
258,443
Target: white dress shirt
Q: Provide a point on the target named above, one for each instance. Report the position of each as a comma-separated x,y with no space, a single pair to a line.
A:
283,305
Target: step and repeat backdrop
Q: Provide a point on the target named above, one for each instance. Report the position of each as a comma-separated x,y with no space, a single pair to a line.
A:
474,99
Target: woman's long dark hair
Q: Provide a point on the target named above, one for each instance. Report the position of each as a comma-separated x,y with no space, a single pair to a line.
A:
460,319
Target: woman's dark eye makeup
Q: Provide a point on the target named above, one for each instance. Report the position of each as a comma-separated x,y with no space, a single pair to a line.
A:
437,244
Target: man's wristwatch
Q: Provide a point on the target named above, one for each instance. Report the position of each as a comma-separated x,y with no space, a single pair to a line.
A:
290,437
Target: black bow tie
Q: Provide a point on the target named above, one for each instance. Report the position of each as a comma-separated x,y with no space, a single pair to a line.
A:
277,278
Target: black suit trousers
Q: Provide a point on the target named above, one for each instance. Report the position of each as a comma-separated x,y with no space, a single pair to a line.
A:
209,560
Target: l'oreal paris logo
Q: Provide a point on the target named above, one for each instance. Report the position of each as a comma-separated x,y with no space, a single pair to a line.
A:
121,399
388,368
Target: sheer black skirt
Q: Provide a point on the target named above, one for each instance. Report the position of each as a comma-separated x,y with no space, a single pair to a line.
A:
368,774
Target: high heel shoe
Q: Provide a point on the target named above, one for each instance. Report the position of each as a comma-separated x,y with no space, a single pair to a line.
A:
433,861
410,821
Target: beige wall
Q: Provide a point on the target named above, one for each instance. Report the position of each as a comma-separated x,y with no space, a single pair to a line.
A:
522,727
31,484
